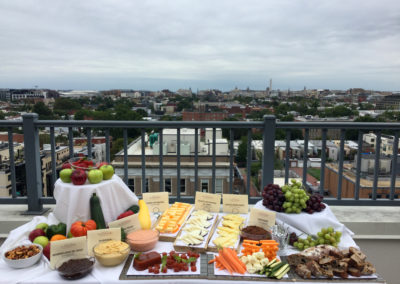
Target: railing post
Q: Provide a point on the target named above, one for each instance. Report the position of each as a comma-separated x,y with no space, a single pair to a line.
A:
32,164
268,150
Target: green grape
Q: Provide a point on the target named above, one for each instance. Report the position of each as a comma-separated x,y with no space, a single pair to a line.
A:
330,230
301,246
332,240
313,244
319,234
338,234
327,236
323,231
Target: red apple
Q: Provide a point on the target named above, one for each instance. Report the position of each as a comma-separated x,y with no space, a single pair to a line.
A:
46,251
36,233
78,177
66,165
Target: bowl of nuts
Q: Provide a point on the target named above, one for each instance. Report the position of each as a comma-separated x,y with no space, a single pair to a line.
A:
23,256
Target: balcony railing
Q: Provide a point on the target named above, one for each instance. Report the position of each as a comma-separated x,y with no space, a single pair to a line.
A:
35,199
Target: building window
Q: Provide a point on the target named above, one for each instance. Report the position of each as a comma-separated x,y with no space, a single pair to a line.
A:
9,177
131,184
183,185
219,185
204,185
167,185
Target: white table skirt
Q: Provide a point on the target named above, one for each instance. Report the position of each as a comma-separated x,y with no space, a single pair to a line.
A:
73,201
42,273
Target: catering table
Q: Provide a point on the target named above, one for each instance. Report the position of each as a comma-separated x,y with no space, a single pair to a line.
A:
42,273
72,202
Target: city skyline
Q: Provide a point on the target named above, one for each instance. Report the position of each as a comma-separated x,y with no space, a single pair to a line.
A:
152,45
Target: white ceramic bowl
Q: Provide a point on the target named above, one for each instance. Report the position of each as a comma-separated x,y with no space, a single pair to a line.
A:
22,263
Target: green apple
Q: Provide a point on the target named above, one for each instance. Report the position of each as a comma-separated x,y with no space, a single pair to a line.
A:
42,226
108,171
65,175
95,176
42,240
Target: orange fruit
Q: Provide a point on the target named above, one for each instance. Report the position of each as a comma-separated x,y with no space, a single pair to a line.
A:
57,237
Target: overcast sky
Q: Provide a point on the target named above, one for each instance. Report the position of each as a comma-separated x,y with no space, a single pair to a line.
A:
200,44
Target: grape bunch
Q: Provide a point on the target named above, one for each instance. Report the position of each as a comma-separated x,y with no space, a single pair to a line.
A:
314,203
326,236
273,197
295,197
293,238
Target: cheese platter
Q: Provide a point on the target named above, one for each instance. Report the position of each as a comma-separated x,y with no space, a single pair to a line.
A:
196,232
227,232
171,221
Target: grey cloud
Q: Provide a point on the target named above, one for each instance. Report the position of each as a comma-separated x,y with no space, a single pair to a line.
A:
331,44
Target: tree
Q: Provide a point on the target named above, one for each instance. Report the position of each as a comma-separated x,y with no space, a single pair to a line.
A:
66,104
43,111
117,146
241,156
237,132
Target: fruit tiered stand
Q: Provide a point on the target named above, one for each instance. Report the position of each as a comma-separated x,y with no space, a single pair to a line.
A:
72,201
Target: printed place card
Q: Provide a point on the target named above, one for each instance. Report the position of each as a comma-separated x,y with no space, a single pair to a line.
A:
156,201
235,203
129,224
261,218
64,250
97,236
209,202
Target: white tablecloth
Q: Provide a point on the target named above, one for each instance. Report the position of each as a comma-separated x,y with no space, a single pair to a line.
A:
73,201
42,273
311,224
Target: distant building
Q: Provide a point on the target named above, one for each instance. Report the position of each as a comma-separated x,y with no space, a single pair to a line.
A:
349,181
186,184
389,102
204,116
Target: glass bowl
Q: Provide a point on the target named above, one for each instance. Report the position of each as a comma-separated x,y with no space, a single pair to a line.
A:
111,253
143,240
82,163
75,268
24,262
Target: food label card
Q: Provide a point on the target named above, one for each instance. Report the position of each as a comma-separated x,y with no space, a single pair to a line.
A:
235,203
261,218
96,236
156,201
63,250
129,224
209,202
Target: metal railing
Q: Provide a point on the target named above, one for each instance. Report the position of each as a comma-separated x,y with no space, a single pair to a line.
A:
268,126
